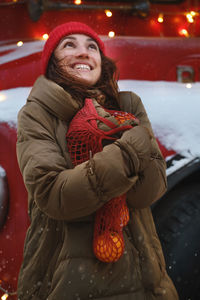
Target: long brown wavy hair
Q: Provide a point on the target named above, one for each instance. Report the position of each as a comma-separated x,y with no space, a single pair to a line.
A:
105,91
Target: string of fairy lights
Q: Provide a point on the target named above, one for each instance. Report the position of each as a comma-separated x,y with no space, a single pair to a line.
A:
190,17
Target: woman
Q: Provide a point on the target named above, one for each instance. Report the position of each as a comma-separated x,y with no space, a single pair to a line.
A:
59,262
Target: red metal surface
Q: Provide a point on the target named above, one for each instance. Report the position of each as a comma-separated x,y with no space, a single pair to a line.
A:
26,70
165,152
154,58
13,233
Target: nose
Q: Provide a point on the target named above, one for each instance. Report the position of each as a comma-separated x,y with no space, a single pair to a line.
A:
82,51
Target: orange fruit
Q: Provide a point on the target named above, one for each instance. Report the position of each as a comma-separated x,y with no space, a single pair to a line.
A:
121,117
124,215
108,247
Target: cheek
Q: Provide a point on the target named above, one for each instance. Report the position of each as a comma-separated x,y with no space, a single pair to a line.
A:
58,54
63,56
64,65
64,60
99,68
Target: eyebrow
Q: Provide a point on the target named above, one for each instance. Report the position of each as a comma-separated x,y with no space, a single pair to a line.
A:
73,38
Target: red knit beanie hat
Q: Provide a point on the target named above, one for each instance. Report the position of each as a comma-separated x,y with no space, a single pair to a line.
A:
63,30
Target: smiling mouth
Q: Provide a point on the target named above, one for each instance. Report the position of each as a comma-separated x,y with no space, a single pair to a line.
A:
81,67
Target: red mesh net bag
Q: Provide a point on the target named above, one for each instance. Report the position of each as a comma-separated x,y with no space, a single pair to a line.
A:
83,138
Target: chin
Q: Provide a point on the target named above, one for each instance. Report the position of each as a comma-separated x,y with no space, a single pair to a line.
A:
85,81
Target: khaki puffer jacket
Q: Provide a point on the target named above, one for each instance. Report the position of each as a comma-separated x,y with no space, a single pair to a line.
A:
58,258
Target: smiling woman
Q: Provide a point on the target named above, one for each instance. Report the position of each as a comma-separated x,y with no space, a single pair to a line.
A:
92,168
77,62
79,56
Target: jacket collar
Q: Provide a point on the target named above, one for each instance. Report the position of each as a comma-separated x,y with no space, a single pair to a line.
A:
53,98
60,103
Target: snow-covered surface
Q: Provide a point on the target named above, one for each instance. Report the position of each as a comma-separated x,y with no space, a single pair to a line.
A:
178,164
10,103
173,109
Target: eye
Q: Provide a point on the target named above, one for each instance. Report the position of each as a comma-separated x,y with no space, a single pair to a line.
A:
68,44
93,46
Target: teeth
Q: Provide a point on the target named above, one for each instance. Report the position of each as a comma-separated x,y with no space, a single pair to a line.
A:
81,67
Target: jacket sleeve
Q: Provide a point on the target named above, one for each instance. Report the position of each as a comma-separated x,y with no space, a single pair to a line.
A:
61,192
145,159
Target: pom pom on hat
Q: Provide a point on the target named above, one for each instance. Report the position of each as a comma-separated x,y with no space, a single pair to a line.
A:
63,30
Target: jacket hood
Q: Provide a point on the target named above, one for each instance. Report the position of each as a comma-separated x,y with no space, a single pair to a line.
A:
53,98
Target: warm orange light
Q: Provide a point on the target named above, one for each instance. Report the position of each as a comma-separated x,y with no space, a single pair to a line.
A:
188,85
77,2
4,297
108,13
193,13
19,44
45,36
111,34
184,32
2,97
160,18
189,18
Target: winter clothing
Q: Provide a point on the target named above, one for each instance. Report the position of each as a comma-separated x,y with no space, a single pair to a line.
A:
63,30
58,258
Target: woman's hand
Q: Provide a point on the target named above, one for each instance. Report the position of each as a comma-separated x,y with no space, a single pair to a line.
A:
136,148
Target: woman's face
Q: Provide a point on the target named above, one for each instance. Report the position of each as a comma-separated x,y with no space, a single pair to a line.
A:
79,56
